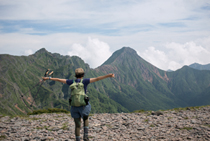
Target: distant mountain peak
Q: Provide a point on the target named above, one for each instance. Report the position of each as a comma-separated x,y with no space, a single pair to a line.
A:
40,51
127,49
119,54
195,64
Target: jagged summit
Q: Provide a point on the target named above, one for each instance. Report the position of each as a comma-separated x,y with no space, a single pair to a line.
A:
121,54
44,52
127,50
40,51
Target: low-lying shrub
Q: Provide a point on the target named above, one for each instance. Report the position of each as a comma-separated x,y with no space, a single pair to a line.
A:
138,111
49,110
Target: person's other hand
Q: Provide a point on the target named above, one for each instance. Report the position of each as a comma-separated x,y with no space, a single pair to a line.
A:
112,75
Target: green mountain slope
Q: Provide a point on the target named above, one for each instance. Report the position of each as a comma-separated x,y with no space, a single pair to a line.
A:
137,83
158,89
187,84
140,85
20,73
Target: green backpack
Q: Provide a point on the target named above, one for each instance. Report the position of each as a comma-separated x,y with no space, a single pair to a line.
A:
78,95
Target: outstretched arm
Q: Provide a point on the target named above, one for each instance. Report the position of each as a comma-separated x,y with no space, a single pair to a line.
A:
55,79
101,77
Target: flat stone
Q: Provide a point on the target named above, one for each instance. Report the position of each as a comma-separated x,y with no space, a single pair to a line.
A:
140,128
24,139
3,119
193,121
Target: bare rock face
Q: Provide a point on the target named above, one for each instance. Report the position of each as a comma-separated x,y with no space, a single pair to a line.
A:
190,124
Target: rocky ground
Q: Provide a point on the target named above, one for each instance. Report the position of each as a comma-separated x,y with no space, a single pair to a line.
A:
172,125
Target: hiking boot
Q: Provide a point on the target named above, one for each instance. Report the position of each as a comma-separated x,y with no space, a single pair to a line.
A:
86,138
77,139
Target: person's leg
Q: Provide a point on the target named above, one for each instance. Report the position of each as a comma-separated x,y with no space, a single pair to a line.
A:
85,114
77,128
86,122
76,114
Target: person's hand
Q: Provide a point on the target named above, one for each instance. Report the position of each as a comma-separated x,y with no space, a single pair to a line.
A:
45,78
112,75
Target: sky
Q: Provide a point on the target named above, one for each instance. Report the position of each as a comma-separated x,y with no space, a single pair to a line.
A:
167,33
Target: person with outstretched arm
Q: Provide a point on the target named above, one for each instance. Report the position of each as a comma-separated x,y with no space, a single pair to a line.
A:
83,111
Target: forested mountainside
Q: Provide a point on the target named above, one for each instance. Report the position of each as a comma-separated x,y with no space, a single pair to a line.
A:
137,83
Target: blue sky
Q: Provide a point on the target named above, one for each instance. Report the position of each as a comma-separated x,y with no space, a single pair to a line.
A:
166,33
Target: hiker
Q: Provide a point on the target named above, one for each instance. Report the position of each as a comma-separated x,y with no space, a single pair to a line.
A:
82,111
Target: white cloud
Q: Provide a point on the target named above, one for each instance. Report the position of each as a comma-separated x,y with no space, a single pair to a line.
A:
188,53
95,52
204,42
17,43
63,26
175,55
155,57
28,52
94,12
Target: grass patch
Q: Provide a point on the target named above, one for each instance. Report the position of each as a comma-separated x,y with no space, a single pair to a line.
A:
207,125
186,128
49,110
142,111
170,118
28,118
138,111
108,125
189,108
148,113
186,118
152,125
65,126
2,137
40,128
59,116
2,116
91,115
174,109
146,120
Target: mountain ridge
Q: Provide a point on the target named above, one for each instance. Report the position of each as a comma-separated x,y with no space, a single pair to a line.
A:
137,85
200,67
